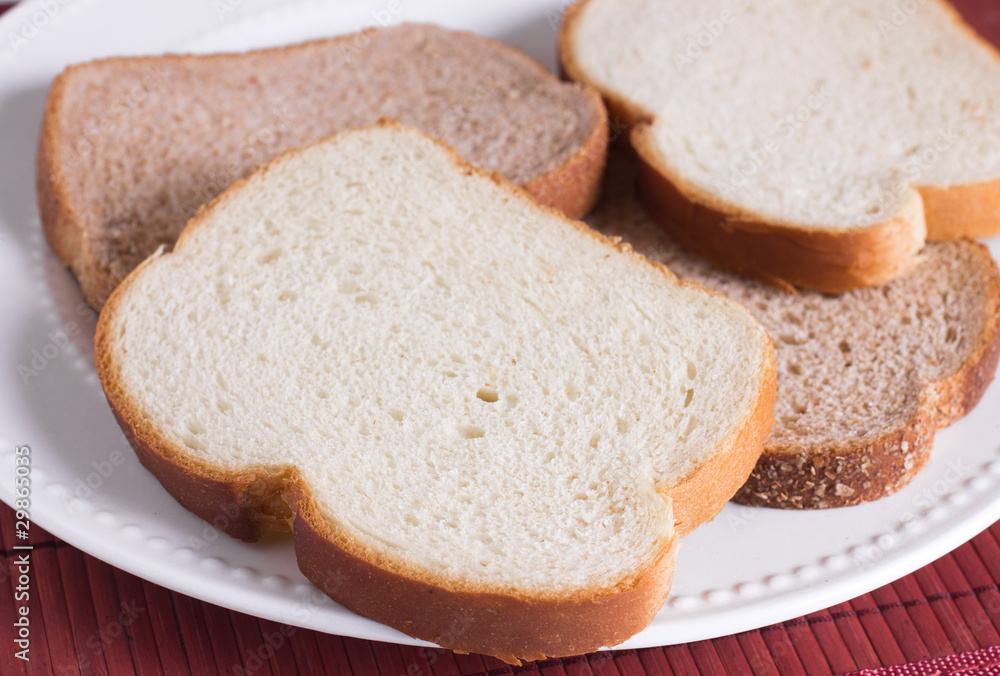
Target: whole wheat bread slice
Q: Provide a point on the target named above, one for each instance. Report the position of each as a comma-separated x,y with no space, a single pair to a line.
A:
806,143
865,378
473,412
131,147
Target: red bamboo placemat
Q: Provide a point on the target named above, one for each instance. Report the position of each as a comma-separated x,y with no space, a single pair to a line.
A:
90,618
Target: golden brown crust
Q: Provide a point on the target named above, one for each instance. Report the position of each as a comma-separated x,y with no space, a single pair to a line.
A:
701,495
575,186
797,478
572,187
970,210
827,259
787,254
621,111
509,624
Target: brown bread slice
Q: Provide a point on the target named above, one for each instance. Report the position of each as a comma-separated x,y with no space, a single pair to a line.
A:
865,378
131,147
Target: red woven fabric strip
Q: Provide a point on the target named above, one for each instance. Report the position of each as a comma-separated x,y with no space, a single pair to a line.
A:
985,661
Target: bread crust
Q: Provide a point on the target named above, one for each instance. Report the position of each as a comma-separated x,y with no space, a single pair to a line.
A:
966,210
827,259
572,186
786,254
791,477
509,624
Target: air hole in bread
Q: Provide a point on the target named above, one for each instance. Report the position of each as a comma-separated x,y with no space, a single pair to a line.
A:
472,432
486,394
396,414
269,256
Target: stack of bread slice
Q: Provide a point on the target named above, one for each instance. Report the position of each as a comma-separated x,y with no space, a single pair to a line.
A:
466,407
865,377
485,423
131,147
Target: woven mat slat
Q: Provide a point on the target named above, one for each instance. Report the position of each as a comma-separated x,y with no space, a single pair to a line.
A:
388,659
921,613
414,661
138,623
308,658
333,653
624,662
114,614
443,663
543,669
275,637
707,658
782,649
969,583
224,640
805,642
755,649
254,652
470,664
956,615
80,610
830,641
360,656
877,630
193,633
655,663
167,644
852,632
681,659
897,618
731,653
50,616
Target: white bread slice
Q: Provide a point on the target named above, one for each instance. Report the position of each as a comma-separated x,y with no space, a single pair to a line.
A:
801,142
131,147
865,378
472,411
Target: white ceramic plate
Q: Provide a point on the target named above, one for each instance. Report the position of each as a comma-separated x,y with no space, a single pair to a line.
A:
748,568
